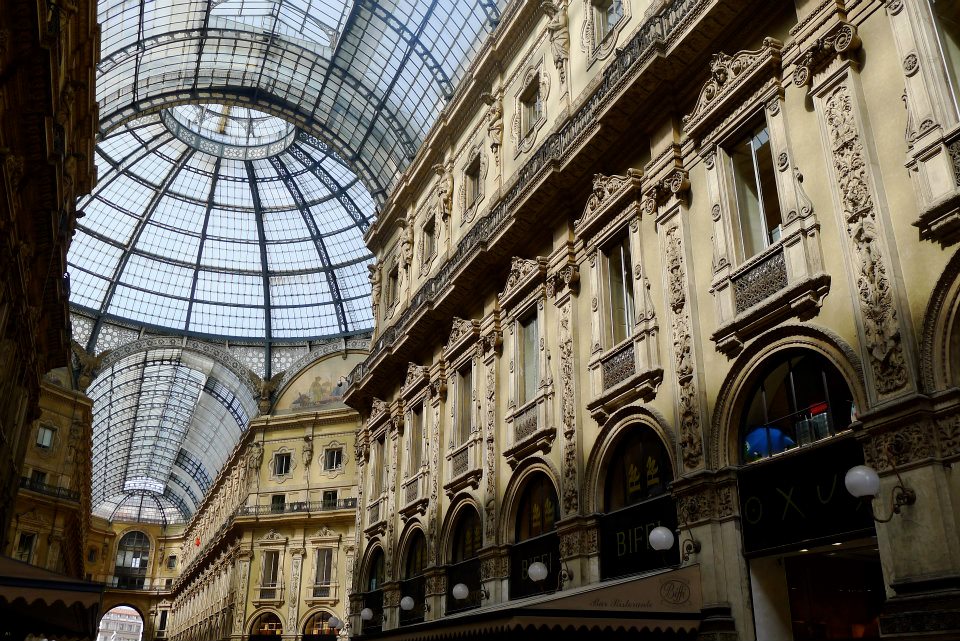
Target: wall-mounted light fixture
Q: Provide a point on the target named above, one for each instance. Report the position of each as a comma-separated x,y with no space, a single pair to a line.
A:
461,591
863,482
537,572
407,603
662,539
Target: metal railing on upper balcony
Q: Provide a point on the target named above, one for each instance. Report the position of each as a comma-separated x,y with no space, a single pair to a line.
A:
298,506
49,490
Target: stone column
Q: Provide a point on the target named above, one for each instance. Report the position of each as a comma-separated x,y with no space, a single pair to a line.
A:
293,594
708,514
391,605
240,610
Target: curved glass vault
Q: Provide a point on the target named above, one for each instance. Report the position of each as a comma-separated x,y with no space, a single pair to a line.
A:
165,420
216,236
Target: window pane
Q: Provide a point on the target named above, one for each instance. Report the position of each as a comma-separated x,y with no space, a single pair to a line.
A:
465,401
529,363
621,291
748,199
416,439
946,15
766,175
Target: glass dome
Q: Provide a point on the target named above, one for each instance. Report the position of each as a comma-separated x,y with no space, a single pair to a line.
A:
223,222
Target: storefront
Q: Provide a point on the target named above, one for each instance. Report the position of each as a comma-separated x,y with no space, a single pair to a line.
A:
810,545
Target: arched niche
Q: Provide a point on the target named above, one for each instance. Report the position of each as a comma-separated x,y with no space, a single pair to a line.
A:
534,524
465,541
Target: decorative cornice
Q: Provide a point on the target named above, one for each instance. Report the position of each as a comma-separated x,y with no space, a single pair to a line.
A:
417,377
842,39
524,274
731,77
608,192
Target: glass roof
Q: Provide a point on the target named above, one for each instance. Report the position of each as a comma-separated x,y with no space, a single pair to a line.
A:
165,420
227,242
368,76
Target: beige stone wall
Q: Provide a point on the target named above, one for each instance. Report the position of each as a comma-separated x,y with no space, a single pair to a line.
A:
635,143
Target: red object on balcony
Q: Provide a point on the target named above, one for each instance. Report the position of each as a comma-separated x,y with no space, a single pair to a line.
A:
818,408
196,541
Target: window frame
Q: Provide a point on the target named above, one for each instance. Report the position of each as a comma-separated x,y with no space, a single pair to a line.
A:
45,444
327,451
530,106
464,402
34,537
288,468
623,242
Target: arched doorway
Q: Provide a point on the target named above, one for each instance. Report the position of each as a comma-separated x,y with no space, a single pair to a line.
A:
121,623
133,558
636,500
535,537
810,546
412,583
465,560
266,627
373,580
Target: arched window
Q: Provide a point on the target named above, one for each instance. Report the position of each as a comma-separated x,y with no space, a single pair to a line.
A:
800,398
318,627
536,538
133,556
467,536
412,585
464,559
635,501
375,572
538,510
416,556
267,626
639,470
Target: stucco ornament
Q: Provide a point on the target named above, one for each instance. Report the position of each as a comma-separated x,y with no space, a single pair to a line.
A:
494,123
444,190
559,30
880,322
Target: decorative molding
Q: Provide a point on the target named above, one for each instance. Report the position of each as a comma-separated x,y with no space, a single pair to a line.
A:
875,296
608,193
417,377
840,40
731,78
691,442
570,486
523,275
558,29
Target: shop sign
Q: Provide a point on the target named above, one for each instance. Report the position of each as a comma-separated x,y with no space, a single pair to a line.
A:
625,538
801,498
546,550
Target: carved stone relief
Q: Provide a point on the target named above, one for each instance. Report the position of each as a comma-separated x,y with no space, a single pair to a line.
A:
875,296
691,442
568,414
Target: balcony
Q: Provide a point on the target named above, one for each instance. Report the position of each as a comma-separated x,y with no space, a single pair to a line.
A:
303,507
270,591
415,494
323,593
50,490
377,516
465,465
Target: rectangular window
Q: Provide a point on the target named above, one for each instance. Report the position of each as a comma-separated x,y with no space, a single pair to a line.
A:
281,464
171,562
429,239
163,621
269,575
946,17
44,437
464,404
378,464
329,499
528,370
38,478
321,585
472,182
333,458
531,106
25,546
607,13
168,583
278,502
393,281
620,291
416,439
758,205
92,555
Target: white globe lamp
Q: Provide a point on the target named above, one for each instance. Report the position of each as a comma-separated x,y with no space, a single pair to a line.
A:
461,591
366,614
661,538
406,603
537,571
862,481
334,623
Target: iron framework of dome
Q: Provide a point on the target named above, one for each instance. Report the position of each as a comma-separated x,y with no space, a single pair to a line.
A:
242,151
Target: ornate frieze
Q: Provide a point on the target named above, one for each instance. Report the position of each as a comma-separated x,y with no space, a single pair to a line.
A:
691,441
875,296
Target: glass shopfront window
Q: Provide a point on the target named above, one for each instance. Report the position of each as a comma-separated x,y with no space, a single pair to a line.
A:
536,538
465,560
413,584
